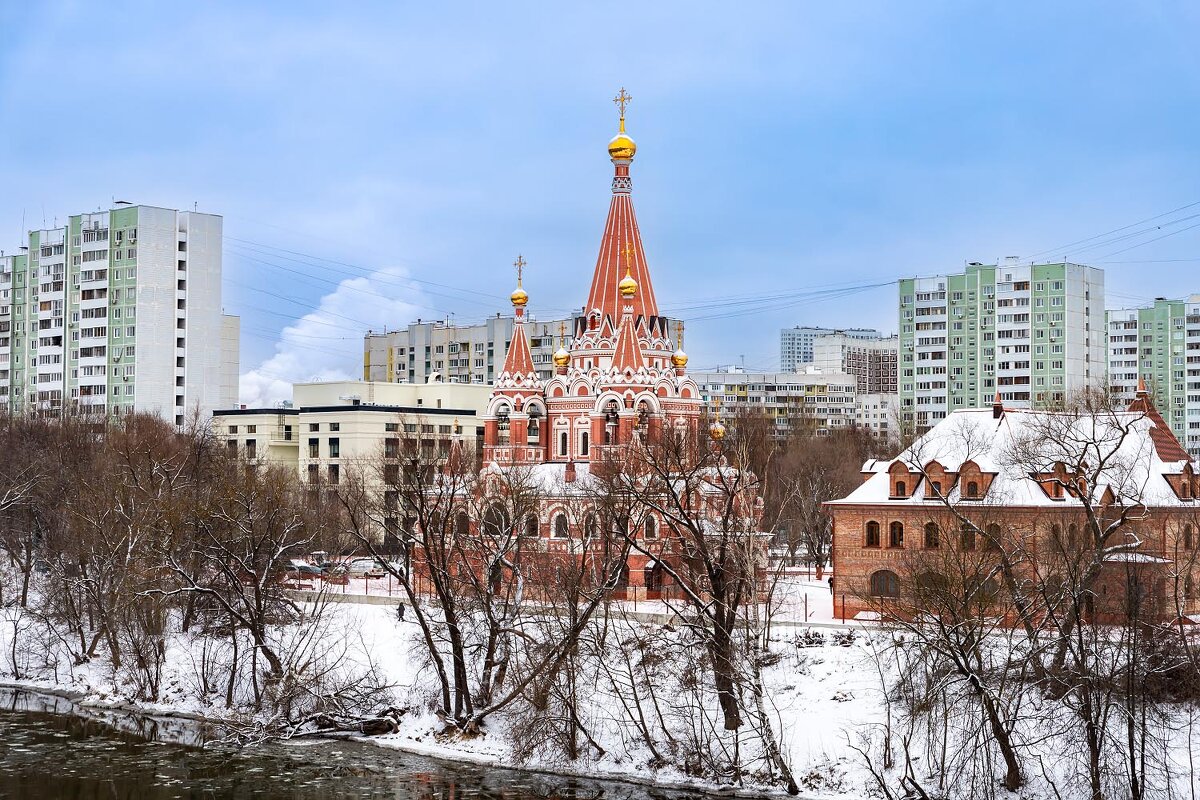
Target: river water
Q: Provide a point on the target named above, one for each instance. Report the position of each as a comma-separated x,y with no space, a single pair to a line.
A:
52,748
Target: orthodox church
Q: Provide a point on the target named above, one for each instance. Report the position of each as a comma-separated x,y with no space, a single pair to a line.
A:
622,381
622,377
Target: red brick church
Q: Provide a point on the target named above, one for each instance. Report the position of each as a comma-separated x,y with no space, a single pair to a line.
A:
622,381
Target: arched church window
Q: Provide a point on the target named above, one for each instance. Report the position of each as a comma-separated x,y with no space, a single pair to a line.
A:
535,426
502,423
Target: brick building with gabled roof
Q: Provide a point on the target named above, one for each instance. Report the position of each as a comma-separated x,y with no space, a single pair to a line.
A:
1025,480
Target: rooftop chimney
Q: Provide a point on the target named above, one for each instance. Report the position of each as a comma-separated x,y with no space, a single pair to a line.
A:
997,407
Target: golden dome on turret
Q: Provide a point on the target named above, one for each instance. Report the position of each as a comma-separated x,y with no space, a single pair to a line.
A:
628,286
716,430
622,145
679,359
561,357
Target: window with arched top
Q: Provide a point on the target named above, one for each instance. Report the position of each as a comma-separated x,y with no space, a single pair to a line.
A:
462,524
583,444
531,526
561,530
1189,588
562,443
937,488
872,539
885,583
502,423
1188,539
534,431
650,528
993,536
967,537
896,534
972,490
495,522
1185,490
1072,535
590,526
932,536
901,489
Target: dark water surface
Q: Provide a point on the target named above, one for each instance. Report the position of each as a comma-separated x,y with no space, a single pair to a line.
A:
51,748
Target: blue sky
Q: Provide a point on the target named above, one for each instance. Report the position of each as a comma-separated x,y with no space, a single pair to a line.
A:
785,150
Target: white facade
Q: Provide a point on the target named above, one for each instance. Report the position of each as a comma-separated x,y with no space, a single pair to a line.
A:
330,425
871,361
827,401
463,353
796,344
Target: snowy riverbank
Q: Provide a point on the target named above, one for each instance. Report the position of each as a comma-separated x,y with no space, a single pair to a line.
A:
822,695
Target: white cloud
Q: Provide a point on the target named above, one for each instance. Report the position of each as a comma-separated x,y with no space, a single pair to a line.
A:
322,345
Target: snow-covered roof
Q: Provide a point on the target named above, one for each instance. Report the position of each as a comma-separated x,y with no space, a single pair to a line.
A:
1128,452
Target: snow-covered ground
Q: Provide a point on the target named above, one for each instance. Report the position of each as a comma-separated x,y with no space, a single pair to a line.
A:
823,687
822,693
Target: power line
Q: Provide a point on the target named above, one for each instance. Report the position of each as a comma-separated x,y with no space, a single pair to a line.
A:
1063,247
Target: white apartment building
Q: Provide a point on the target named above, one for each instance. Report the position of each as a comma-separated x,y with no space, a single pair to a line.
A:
796,344
825,401
331,426
462,353
1033,332
872,362
117,312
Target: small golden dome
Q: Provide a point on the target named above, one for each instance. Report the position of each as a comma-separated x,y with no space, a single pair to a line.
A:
628,286
518,297
716,430
679,359
622,145
561,357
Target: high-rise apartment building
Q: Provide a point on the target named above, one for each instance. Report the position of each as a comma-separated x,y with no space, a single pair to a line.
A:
823,401
1160,345
871,361
118,311
1031,332
424,350
796,344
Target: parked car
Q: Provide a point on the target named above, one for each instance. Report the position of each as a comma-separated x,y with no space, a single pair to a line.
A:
336,574
365,568
304,569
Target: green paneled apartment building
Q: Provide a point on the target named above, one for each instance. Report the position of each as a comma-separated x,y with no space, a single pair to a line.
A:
1033,332
1160,344
118,311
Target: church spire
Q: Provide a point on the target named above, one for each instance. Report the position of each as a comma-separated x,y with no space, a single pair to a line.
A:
518,362
621,234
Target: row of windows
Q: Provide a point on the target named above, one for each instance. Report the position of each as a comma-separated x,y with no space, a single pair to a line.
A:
932,538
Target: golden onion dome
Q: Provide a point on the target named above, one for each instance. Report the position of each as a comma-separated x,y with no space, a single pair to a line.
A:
628,286
716,430
622,145
561,357
679,359
519,297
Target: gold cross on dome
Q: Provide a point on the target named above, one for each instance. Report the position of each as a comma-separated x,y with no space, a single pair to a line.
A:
520,265
622,99
628,256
